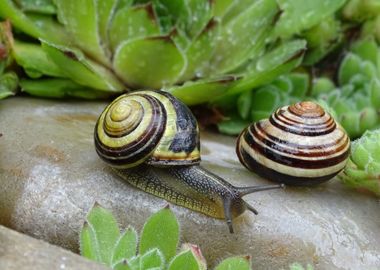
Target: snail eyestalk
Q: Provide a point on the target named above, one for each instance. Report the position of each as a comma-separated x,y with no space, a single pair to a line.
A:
248,190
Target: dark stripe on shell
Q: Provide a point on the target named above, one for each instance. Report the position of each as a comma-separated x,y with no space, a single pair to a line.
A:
141,147
273,119
296,149
292,161
273,175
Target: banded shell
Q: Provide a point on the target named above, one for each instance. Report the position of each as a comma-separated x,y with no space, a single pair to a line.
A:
149,127
299,144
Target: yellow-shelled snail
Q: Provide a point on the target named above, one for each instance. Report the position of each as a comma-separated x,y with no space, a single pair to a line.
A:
152,141
299,144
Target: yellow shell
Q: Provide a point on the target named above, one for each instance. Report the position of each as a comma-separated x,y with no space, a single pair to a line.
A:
147,126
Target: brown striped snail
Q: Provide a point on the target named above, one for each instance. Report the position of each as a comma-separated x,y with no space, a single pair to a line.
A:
152,141
299,144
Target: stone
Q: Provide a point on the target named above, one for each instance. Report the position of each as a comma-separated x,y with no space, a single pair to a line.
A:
50,177
21,252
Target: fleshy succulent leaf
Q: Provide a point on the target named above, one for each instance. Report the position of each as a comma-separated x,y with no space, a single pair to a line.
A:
122,265
298,15
38,6
105,10
133,22
233,125
88,244
149,62
220,7
8,84
83,71
126,246
280,60
237,43
106,232
244,104
200,91
350,66
34,60
184,260
236,263
152,259
161,231
60,88
80,19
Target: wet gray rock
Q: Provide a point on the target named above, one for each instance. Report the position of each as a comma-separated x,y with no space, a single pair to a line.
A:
50,176
21,252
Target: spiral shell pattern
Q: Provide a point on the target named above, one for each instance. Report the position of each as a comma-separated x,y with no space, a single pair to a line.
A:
147,126
299,144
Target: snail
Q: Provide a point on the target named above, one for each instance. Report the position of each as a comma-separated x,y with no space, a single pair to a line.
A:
300,144
151,139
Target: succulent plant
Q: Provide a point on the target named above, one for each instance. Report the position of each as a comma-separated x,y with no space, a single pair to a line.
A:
362,171
156,249
198,50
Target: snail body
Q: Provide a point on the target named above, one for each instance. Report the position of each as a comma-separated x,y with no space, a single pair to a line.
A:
151,139
299,144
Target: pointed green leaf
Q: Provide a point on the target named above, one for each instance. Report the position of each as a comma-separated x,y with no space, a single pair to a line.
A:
198,14
61,88
375,93
81,21
168,13
8,10
265,101
220,7
161,231
34,60
197,253
200,51
244,37
106,231
8,84
149,63
131,23
244,104
280,60
122,265
233,125
300,82
83,71
235,263
105,10
366,49
298,15
184,261
88,245
152,259
201,91
350,66
38,6
126,246
322,85
235,9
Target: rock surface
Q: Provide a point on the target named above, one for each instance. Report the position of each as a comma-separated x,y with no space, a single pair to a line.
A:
22,252
50,176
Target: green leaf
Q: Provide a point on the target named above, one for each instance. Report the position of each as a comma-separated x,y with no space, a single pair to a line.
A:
350,66
232,126
123,265
34,60
131,23
265,101
184,261
152,259
149,63
82,70
126,246
81,21
60,88
200,91
106,232
321,86
8,84
220,7
297,266
299,15
105,11
235,263
280,60
244,104
39,6
88,244
375,93
366,49
161,231
300,82
243,38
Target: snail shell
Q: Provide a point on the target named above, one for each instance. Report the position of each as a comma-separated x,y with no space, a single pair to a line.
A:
299,144
151,140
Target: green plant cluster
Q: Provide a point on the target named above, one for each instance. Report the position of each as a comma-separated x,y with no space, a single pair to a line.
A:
363,168
354,100
155,249
101,240
196,49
